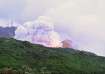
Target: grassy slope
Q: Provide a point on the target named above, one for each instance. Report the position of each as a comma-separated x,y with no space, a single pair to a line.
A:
36,59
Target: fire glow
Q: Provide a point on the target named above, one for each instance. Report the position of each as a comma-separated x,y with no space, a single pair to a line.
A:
40,31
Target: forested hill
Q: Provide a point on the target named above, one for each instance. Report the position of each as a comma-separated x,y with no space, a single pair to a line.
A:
18,57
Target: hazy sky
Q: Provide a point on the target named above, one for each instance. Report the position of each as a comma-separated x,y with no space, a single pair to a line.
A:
81,20
26,9
30,9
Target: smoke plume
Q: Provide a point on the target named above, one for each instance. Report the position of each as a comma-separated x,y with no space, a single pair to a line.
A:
40,31
83,22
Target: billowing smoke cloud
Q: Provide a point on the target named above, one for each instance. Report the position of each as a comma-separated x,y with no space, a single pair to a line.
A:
40,31
83,22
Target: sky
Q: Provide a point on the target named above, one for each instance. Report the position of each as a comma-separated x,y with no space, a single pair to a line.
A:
82,21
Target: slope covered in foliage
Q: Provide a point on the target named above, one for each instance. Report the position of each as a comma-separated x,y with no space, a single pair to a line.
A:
17,57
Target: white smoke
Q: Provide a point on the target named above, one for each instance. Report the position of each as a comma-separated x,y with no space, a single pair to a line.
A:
83,22
40,31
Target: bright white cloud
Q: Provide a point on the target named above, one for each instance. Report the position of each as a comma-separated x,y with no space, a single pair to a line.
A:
82,20
40,31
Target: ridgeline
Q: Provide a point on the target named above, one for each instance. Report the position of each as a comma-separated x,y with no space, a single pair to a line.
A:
21,57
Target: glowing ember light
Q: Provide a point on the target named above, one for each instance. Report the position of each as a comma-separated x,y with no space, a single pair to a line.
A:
67,44
40,31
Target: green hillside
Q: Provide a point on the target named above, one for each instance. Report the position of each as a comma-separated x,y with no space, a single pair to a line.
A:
17,57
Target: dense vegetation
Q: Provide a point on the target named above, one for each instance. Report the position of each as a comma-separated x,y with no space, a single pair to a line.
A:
17,57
